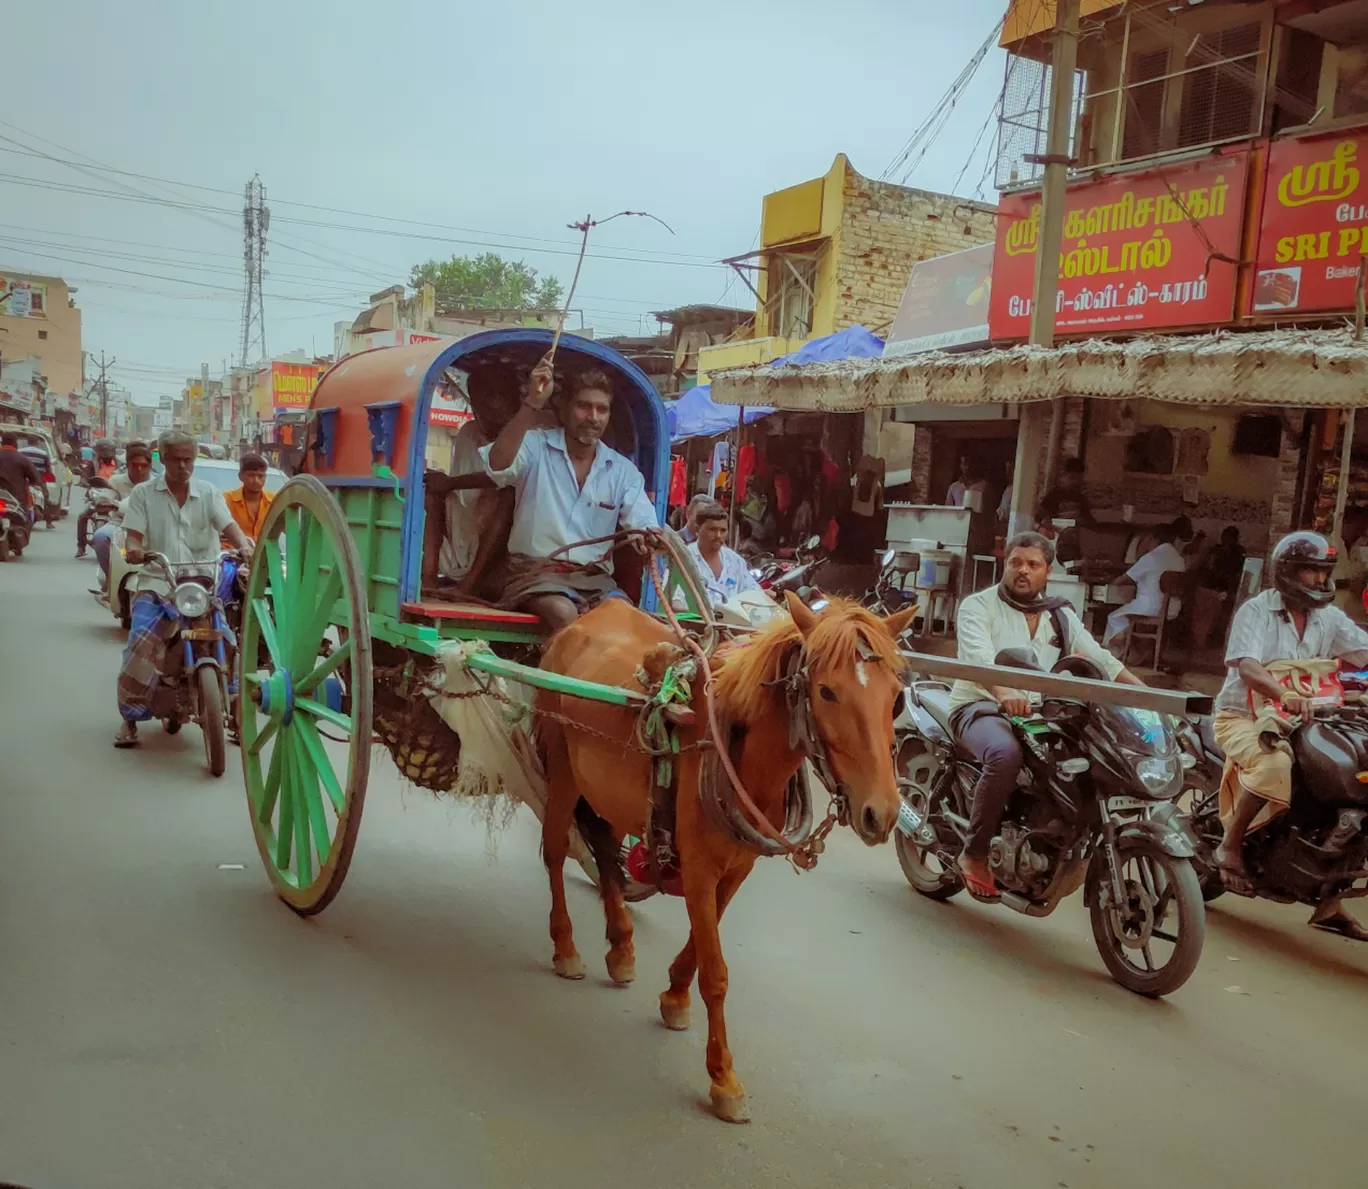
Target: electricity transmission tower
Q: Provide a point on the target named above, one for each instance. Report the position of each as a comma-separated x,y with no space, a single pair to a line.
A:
256,219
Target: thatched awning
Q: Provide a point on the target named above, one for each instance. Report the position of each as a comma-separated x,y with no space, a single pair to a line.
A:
1322,368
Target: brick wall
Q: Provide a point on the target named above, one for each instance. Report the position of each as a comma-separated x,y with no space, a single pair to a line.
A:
885,229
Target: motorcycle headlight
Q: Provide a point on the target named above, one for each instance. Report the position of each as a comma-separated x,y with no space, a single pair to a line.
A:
1157,773
191,600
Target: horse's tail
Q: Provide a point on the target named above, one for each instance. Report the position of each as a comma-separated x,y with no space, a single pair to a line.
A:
607,852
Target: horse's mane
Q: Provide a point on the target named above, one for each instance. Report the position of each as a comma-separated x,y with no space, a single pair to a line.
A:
745,681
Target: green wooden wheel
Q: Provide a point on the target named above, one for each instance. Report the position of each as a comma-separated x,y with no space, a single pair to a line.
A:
306,697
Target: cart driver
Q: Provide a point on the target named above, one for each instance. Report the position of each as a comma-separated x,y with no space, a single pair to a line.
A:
571,488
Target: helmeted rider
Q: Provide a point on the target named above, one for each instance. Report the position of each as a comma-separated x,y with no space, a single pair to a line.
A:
1293,620
1014,614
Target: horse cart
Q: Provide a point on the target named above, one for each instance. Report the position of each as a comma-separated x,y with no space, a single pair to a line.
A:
339,639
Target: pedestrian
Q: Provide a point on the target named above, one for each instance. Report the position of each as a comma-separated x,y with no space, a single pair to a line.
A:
250,502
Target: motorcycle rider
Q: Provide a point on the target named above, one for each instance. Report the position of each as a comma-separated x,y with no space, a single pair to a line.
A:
182,518
1014,614
17,473
137,468
1293,620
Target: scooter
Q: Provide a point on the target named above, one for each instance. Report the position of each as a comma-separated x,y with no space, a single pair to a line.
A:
197,680
16,525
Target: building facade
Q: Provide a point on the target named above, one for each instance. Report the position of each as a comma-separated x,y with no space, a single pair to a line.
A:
39,320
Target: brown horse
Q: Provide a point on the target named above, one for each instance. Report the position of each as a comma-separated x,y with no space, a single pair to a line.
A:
854,677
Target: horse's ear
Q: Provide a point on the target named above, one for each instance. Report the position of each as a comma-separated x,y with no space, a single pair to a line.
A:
900,621
803,615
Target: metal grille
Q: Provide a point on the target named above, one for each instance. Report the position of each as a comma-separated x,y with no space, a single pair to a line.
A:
1180,87
1023,120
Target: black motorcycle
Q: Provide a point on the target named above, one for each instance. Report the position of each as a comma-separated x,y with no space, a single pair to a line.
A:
16,525
1319,847
1094,809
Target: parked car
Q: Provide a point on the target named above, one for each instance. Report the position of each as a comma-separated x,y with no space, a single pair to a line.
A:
223,474
35,437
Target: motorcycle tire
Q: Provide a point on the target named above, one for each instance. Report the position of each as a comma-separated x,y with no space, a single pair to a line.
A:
1205,819
211,719
4,550
1186,903
923,879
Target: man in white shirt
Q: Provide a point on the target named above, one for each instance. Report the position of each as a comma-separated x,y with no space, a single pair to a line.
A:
182,518
571,488
724,571
1147,573
1295,620
1013,614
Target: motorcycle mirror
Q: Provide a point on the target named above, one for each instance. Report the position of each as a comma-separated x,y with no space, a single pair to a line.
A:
887,559
813,542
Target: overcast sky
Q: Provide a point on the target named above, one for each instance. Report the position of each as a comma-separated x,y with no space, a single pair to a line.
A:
499,122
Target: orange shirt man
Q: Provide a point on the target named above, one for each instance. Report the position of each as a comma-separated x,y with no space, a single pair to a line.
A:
250,502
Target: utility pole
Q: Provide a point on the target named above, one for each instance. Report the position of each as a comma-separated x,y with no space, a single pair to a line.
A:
1063,63
206,411
103,384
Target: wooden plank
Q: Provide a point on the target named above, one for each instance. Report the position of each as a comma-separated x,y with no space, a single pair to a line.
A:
1061,685
474,612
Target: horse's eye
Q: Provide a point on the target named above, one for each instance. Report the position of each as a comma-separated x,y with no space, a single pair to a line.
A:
828,694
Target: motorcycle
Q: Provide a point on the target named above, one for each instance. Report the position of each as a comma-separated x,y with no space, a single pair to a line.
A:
1318,848
889,593
102,501
16,525
197,680
51,512
1093,809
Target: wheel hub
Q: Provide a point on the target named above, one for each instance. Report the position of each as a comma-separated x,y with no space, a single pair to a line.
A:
277,696
1134,917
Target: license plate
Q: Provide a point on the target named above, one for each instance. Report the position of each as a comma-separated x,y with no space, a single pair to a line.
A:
1121,803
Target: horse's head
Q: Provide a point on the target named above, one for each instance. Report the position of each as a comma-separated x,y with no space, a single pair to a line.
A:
854,679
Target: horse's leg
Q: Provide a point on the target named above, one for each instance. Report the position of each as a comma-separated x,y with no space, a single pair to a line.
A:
674,1002
560,811
703,894
621,948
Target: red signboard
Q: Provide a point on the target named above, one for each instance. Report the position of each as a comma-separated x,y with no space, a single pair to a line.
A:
1141,251
292,384
1314,228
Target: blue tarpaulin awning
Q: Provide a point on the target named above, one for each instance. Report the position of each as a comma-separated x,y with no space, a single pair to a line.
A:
694,415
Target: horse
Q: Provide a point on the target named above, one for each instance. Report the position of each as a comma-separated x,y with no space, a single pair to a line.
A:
600,781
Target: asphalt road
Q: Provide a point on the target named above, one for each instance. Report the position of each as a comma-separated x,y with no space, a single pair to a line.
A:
165,1023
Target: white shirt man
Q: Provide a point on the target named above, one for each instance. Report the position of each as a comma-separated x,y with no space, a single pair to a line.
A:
553,510
571,488
1146,573
182,533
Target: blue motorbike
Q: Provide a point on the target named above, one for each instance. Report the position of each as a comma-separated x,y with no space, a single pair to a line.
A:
197,680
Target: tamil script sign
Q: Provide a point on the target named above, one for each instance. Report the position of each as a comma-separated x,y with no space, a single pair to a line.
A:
945,303
1314,228
22,298
1140,251
292,384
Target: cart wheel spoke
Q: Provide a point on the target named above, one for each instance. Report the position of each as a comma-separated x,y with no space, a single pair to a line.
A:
312,743
306,801
339,656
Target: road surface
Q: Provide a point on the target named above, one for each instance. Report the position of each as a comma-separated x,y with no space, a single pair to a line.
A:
165,1023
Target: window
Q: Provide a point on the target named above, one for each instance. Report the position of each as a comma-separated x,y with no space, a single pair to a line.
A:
1187,77
38,303
42,334
792,293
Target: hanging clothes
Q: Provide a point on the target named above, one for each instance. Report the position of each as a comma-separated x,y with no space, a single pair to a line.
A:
679,488
745,467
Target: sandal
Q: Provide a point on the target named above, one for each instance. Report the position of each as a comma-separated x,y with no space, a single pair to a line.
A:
1237,883
984,891
1343,925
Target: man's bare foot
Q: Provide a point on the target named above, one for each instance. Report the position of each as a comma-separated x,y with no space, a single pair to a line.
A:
978,880
1231,866
1331,917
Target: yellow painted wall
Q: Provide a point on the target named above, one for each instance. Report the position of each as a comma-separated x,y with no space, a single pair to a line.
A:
1025,17
742,354
782,212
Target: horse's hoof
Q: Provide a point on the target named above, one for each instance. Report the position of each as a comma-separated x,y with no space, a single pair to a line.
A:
571,967
622,973
730,1108
676,1017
